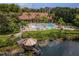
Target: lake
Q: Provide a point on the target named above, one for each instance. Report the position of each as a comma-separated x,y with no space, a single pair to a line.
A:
55,48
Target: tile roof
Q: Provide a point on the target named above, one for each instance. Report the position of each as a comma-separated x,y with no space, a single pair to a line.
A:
32,15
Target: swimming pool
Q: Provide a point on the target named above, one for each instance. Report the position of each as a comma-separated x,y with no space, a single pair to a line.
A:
41,26
50,25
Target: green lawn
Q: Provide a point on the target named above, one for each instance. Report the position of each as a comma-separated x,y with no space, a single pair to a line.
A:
2,37
47,34
6,40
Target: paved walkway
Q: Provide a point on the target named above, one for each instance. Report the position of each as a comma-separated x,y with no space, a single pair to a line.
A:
21,31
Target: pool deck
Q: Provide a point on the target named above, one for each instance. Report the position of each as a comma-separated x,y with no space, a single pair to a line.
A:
41,26
44,26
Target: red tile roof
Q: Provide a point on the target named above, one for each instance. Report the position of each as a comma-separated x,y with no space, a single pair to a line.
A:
33,15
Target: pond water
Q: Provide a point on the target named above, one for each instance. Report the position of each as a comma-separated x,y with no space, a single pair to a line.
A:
67,48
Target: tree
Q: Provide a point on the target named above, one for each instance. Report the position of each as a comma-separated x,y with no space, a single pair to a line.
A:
76,20
42,10
76,23
13,8
60,21
44,19
7,24
68,14
25,9
23,23
9,8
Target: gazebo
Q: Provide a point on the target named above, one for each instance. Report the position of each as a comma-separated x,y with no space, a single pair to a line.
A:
29,42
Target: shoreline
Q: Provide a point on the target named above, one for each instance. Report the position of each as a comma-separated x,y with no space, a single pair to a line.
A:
42,43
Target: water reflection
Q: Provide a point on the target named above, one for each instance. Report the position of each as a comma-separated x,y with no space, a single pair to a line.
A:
67,48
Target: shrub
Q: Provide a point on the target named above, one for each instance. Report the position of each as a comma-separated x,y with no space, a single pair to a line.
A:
47,34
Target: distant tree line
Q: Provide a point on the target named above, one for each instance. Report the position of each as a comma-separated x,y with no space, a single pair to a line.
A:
67,14
9,8
70,16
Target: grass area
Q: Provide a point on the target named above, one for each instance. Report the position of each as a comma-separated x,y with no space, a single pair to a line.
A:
8,43
2,37
48,34
6,40
11,49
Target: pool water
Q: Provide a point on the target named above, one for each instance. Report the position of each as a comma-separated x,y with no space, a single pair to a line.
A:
36,26
50,26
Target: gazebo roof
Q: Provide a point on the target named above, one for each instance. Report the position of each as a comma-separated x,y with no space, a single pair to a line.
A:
29,42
